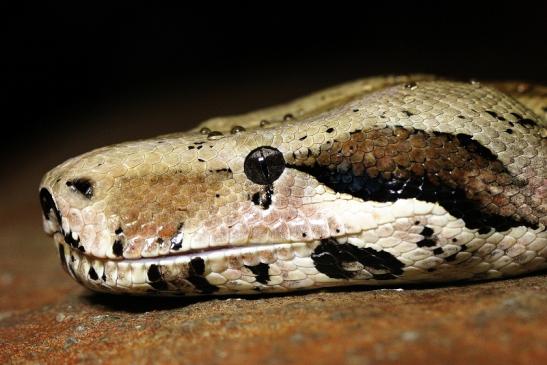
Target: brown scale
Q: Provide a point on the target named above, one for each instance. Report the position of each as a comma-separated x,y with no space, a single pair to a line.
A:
156,206
436,164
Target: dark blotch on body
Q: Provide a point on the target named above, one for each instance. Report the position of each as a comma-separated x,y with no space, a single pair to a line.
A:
154,273
438,251
330,255
426,232
426,242
261,272
117,248
196,270
93,274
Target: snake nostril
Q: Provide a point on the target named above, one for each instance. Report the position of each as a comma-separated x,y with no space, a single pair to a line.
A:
47,203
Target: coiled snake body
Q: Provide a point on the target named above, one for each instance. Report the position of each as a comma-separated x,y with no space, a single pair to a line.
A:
382,181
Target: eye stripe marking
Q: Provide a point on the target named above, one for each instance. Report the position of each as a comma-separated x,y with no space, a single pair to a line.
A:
397,163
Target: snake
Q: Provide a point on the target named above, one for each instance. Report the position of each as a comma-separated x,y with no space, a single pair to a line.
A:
383,181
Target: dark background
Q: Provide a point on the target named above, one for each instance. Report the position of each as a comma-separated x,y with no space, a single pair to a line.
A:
78,77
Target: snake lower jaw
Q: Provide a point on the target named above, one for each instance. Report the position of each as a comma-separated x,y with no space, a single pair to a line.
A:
244,269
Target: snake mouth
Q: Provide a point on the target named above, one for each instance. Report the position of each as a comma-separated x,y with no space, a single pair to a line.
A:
243,269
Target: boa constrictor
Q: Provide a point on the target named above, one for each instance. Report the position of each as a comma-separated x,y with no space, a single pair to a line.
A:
381,181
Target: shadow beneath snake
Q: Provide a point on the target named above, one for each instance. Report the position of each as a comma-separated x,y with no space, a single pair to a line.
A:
141,304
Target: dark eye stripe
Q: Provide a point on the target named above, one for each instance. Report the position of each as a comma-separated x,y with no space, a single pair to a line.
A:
455,171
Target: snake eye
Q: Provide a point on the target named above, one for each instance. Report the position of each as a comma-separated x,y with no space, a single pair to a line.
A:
264,165
81,185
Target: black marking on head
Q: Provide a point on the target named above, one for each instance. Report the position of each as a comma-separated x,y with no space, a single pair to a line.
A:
191,147
426,242
438,251
451,257
484,230
261,272
263,198
493,114
229,170
178,238
302,138
516,115
83,185
117,248
355,110
47,203
527,123
81,248
454,240
201,160
330,255
158,285
103,276
93,274
264,165
407,113
509,130
62,257
196,269
118,231
154,273
197,266
70,240
330,130
475,147
461,117
427,232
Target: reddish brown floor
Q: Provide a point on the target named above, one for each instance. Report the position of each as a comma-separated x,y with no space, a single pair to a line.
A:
47,318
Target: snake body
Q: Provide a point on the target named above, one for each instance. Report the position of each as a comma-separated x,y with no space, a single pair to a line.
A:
381,181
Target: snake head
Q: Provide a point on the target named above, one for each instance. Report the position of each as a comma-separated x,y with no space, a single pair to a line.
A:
361,191
183,194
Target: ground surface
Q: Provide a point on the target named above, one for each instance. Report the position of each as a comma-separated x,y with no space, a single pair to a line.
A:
47,318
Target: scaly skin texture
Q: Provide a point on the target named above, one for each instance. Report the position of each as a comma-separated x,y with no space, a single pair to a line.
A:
380,181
